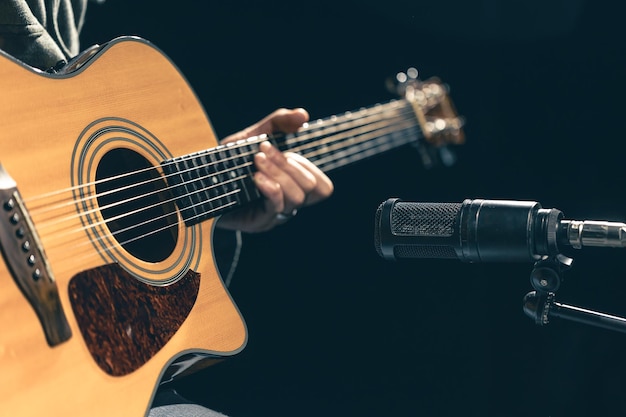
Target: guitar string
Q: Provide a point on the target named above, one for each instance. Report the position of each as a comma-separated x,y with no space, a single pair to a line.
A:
82,252
165,215
93,225
355,156
67,233
87,244
303,150
310,131
298,139
313,132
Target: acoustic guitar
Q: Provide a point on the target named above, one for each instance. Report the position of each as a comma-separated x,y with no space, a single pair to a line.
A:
107,208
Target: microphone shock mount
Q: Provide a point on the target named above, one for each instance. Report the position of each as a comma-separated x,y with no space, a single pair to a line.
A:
540,305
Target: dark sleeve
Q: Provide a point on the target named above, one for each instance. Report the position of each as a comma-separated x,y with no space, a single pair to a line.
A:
41,32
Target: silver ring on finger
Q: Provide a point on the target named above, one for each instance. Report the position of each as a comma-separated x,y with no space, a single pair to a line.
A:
283,217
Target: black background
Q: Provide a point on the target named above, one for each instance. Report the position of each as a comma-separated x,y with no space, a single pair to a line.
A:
334,329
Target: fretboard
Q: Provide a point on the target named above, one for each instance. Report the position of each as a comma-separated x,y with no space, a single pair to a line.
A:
217,180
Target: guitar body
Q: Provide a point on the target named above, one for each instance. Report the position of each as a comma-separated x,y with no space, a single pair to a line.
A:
129,314
110,180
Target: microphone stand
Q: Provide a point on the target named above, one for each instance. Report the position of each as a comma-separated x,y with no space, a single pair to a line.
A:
540,304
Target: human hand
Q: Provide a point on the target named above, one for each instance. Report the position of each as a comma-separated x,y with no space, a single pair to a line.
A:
287,180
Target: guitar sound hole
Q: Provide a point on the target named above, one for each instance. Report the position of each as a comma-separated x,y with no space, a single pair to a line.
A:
138,209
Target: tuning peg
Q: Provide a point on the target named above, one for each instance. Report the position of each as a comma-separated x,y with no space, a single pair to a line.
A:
402,77
402,81
410,76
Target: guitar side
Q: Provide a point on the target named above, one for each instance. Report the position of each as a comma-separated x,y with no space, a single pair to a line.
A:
55,130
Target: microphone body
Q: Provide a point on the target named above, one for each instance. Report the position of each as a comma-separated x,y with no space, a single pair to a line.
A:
484,231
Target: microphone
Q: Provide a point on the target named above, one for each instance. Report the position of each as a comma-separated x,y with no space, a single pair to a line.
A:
485,231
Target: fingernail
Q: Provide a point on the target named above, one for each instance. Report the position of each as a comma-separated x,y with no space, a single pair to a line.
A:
270,150
265,146
259,177
261,158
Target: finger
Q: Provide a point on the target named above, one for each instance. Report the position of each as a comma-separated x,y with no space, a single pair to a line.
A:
323,185
272,190
290,163
289,192
281,120
295,180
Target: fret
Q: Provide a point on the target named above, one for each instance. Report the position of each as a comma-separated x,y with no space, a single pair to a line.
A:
245,171
212,182
213,177
226,186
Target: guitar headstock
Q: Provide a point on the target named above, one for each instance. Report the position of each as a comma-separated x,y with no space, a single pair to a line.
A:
433,109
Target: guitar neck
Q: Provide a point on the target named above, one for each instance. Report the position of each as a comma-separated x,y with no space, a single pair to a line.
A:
341,140
211,182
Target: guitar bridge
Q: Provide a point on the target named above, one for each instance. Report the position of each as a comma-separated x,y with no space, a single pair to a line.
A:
25,259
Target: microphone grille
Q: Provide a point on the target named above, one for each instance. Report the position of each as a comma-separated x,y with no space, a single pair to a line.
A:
416,230
424,251
424,219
